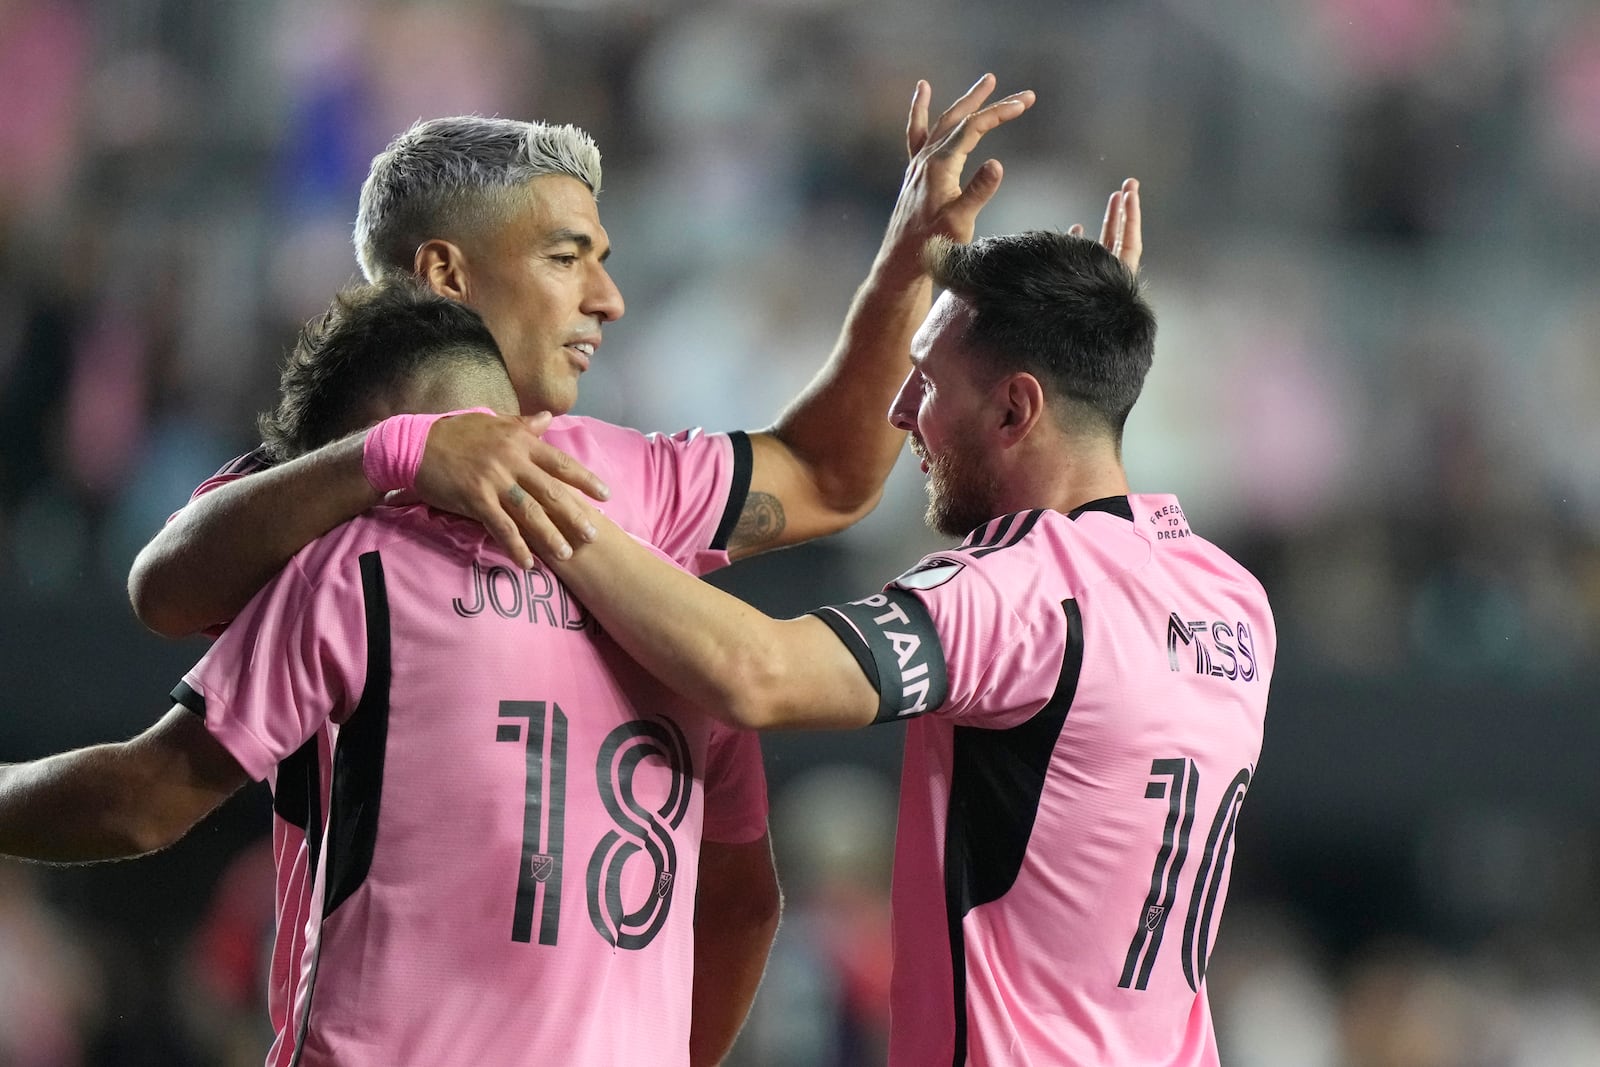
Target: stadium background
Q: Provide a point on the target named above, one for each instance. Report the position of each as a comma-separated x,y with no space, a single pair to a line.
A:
1370,230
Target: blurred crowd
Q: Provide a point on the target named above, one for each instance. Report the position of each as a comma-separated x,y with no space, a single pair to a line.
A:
1370,233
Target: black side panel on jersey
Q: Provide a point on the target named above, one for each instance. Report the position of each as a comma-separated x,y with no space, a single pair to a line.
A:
894,640
738,489
996,780
357,785
297,798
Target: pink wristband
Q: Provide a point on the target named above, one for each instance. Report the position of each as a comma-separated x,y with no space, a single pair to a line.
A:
393,449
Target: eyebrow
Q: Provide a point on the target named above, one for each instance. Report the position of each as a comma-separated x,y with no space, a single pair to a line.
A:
584,242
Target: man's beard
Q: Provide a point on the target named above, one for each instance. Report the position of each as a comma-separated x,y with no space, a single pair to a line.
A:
962,494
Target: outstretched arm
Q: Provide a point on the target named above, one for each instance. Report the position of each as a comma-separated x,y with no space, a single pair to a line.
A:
822,465
215,554
114,801
733,661
736,918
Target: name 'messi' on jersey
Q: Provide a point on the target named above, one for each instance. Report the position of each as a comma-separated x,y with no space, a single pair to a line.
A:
1211,647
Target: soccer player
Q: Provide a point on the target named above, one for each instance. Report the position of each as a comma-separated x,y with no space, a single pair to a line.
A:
504,865
502,216
1085,676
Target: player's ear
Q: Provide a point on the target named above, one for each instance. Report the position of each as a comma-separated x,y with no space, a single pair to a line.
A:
442,267
1020,404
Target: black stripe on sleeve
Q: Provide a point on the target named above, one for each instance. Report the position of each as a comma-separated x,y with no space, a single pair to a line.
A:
996,781
184,694
357,786
1021,524
738,489
893,637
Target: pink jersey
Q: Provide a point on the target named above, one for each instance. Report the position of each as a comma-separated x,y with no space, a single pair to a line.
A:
506,872
683,492
1094,686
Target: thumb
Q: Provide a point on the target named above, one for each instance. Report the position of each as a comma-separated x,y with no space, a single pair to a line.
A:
538,423
984,182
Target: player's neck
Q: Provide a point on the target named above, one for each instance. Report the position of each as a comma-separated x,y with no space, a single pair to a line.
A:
1065,480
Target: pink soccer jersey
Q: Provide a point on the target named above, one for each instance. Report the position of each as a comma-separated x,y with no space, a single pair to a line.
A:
506,869
682,492
1087,694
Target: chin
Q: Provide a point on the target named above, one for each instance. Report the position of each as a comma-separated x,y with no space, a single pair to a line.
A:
555,401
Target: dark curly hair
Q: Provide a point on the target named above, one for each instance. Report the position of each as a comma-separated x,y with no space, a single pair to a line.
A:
373,340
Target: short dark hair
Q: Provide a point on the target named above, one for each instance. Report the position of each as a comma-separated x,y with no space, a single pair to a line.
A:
1059,307
371,340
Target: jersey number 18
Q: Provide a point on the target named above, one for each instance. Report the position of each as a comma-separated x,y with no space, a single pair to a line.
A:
639,831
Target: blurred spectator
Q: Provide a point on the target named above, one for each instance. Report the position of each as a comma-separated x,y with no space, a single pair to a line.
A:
49,991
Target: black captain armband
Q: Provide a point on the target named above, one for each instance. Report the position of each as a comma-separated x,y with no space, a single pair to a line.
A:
893,638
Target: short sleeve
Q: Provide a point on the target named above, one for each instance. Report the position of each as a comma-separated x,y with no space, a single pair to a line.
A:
944,639
696,484
293,659
681,492
736,786
237,468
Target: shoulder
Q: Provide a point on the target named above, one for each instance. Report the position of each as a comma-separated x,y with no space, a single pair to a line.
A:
234,469
1041,552
1162,519
383,529
568,432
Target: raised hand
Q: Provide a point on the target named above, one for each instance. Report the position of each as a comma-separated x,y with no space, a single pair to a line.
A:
496,469
933,202
1120,232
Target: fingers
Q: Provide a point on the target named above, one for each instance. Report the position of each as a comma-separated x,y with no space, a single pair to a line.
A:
1075,230
917,121
965,105
1121,231
500,472
547,516
961,140
559,465
1111,225
503,528
1130,247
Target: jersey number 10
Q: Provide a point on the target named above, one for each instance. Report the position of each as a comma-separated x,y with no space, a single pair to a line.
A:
639,830
1178,781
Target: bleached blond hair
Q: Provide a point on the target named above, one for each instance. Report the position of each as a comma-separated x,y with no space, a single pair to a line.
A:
449,177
